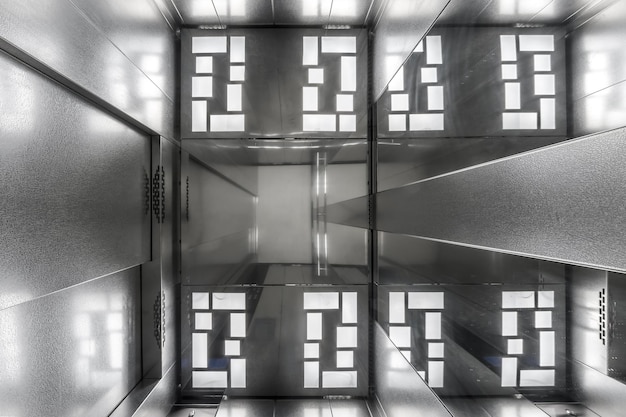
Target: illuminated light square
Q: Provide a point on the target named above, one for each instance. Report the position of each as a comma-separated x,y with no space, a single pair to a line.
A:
311,374
310,99
228,123
199,116
435,97
339,379
202,86
319,122
515,347
547,346
397,82
433,50
349,314
545,299
400,336
311,351
406,354
237,373
536,43
543,319
310,50
397,307
509,71
536,378
508,48
346,337
233,97
518,299
345,359
238,49
426,122
229,301
429,75
432,327
316,76
397,122
347,123
348,73
519,121
204,65
547,113
422,374
509,372
399,102
345,102
209,379
435,374
321,300
419,47
200,300
237,324
339,44
232,347
199,350
509,323
208,45
435,350
545,84
314,326
542,62
204,321
426,301
512,96
237,73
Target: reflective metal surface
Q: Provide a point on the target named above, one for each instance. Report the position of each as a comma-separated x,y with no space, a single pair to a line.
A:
74,186
493,407
81,344
598,392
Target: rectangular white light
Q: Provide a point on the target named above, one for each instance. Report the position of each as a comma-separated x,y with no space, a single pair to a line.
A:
400,336
199,350
397,122
310,50
518,299
314,326
509,372
536,378
200,300
515,346
311,374
310,99
435,350
347,123
237,373
397,82
238,49
232,347
547,345
349,313
345,359
237,73
542,62
237,324
202,86
432,326
536,43
426,121
346,337
508,47
348,73
316,75
321,300
228,123
199,117
545,299
509,323
339,379
319,122
399,102
229,301
433,50
397,307
426,301
345,102
509,71
435,374
512,96
339,44
204,65
203,321
543,319
208,45
519,121
545,84
233,97
209,379
311,351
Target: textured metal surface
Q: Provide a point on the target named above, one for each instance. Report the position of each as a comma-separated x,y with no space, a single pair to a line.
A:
601,394
79,52
561,409
73,352
246,408
398,30
399,389
493,407
559,203
162,397
73,181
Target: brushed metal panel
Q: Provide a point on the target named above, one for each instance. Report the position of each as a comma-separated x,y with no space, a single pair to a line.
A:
244,12
399,389
199,12
601,394
353,213
162,397
74,181
493,407
245,408
78,53
398,30
558,203
74,352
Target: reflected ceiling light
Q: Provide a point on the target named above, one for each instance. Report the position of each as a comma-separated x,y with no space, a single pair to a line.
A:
341,27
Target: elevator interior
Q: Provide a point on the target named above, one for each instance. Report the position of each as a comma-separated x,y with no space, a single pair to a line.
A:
316,208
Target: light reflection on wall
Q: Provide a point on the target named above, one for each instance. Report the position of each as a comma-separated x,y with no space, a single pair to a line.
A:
526,7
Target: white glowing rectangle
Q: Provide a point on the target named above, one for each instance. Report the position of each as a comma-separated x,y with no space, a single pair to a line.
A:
339,379
397,82
508,47
536,43
200,300
519,121
518,299
542,62
545,84
509,372
397,307
406,354
547,345
397,122
346,337
202,86
426,301
429,75
435,97
349,313
435,374
311,351
204,65
310,50
209,379
509,71
399,102
208,45
433,50
311,374
310,98
509,323
536,378
314,326
345,102
347,123
238,49
512,96
339,44
426,121
316,75
232,347
345,359
237,324
237,373
199,350
233,97
419,47
547,113
228,122
321,300
543,319
400,336
515,347
348,73
237,73
435,350
199,116
204,321
319,122
229,301
432,326
545,299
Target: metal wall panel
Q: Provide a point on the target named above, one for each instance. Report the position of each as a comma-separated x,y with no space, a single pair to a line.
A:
602,394
74,184
558,203
75,352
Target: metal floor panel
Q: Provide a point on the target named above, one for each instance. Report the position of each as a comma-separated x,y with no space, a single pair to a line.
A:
292,408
